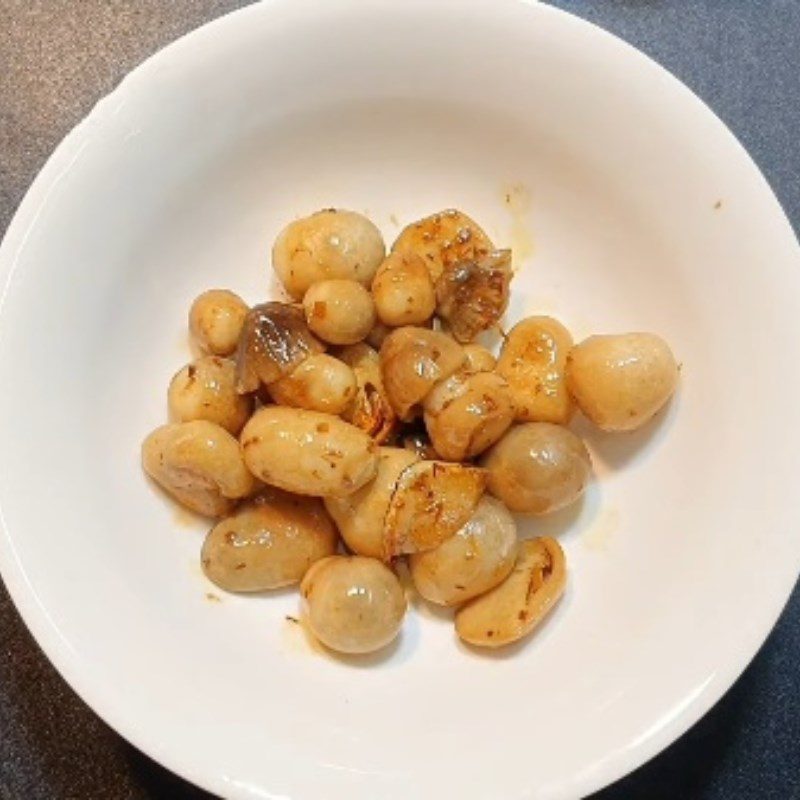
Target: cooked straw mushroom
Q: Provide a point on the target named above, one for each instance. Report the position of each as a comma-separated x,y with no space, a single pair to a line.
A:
472,295
514,608
413,360
353,604
332,243
215,321
199,464
320,383
430,502
538,468
339,311
478,557
308,453
275,340
533,361
467,413
360,516
403,290
622,381
206,389
269,542
442,239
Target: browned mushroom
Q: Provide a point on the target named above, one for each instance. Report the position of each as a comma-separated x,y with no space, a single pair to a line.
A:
370,409
442,239
472,295
468,413
430,502
513,609
275,339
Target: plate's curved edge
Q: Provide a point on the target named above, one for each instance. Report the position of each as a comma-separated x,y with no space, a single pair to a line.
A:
32,613
24,597
100,702
714,691
68,150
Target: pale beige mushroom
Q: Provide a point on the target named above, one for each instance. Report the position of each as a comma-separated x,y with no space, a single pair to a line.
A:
538,468
269,542
215,321
199,464
206,389
476,558
353,604
307,452
403,290
339,311
513,609
622,381
332,243
320,383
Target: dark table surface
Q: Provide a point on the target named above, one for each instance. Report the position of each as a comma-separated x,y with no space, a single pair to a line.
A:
57,57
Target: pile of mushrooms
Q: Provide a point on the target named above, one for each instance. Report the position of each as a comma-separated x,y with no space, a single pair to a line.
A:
358,425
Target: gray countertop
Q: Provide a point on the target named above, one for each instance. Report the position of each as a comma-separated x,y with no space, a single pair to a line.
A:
57,57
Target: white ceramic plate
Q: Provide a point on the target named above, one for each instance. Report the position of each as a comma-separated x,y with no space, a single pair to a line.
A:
630,206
